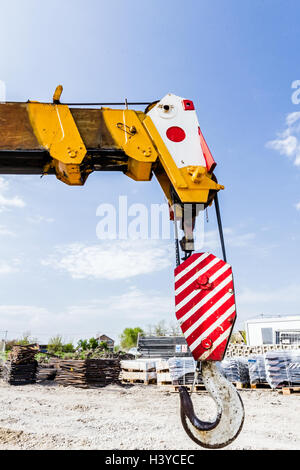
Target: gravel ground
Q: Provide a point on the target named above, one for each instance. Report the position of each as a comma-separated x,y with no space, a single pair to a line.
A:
138,417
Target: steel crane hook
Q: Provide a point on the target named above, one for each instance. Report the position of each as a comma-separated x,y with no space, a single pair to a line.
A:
230,411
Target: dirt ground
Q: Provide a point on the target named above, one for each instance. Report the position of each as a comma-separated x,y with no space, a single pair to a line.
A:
140,417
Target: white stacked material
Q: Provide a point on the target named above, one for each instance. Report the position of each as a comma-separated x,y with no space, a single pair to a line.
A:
257,369
163,372
138,370
136,376
283,368
138,365
163,377
182,370
162,365
235,369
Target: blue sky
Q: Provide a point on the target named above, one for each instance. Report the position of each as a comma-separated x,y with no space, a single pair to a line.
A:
237,62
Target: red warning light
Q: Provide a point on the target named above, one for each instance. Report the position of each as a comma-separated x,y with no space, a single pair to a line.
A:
188,105
176,134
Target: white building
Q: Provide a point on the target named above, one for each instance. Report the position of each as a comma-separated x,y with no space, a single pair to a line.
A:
275,330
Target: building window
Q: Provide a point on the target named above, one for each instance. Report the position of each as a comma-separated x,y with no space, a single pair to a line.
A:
267,335
287,337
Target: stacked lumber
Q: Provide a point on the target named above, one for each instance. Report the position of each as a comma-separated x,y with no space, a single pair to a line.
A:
23,354
88,373
46,372
283,368
19,374
102,372
138,371
20,369
72,373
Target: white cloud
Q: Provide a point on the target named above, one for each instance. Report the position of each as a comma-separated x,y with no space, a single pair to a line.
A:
38,219
7,202
5,231
233,239
8,268
285,295
23,311
111,260
292,118
297,206
287,142
283,300
109,314
285,145
134,304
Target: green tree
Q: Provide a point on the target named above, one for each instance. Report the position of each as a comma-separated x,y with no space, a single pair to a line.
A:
26,339
92,343
68,348
55,345
83,344
104,346
128,339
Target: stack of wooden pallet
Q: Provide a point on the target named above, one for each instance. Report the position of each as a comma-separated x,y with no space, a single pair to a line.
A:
88,373
163,372
20,369
139,371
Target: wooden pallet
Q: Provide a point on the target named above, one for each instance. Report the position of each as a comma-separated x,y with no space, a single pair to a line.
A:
139,381
260,385
164,383
240,385
289,390
197,388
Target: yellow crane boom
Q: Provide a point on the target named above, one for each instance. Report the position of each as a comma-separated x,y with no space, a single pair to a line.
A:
53,138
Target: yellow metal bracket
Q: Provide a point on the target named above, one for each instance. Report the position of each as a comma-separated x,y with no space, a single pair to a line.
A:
127,130
56,131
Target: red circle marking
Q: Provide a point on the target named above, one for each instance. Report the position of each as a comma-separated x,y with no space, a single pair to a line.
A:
176,134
